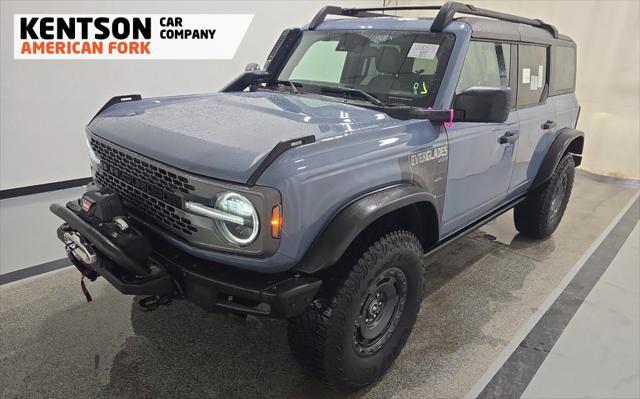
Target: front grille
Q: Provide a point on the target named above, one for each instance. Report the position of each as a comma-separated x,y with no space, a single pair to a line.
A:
141,169
149,188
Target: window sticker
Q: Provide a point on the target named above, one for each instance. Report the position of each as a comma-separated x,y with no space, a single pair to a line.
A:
534,83
540,76
423,50
526,75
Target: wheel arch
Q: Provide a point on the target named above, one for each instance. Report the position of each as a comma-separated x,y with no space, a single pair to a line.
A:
569,141
402,206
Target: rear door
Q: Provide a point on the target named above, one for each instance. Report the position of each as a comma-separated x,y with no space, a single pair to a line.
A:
480,166
537,116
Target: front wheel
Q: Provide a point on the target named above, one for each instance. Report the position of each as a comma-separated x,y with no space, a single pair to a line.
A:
364,316
539,215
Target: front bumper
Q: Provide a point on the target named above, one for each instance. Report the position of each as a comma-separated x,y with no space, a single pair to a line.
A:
182,276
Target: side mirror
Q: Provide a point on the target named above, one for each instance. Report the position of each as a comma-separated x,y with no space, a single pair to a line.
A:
483,104
252,66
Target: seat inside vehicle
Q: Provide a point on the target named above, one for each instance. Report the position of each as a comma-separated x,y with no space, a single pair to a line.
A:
399,73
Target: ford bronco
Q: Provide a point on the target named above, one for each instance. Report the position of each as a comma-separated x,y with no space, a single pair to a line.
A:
312,189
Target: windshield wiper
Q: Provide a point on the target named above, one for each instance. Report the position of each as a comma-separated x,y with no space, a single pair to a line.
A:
361,93
294,85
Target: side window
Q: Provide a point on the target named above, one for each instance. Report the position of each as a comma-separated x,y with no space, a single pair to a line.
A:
532,73
563,73
486,64
321,63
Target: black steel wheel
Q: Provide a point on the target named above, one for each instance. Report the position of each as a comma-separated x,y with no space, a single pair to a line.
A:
558,196
380,311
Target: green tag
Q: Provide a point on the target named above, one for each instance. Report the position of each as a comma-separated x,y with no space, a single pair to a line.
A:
416,86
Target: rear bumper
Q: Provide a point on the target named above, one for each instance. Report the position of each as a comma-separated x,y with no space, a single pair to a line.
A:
210,285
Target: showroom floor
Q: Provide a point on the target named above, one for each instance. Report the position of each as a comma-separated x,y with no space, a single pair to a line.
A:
502,314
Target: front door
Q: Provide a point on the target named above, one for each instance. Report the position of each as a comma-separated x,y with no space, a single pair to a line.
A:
480,163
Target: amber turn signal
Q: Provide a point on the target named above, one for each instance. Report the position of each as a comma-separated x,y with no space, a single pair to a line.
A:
276,221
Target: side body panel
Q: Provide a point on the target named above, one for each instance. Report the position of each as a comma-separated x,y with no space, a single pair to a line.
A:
331,175
566,109
480,167
534,142
479,170
532,145
316,181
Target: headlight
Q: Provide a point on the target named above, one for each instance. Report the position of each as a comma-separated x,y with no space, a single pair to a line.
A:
92,155
235,233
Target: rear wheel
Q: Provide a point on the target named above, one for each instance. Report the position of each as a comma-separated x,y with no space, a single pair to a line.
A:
539,215
364,315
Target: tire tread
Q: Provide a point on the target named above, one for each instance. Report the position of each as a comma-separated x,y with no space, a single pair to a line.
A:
531,217
310,332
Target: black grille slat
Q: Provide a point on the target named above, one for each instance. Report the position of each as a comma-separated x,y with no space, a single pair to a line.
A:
137,182
141,169
163,213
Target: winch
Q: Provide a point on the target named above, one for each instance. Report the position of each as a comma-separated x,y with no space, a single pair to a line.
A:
103,210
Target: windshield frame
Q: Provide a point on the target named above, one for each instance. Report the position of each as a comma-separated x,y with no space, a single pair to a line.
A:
445,41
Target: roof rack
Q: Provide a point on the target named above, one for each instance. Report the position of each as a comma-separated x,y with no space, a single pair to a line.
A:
445,15
333,10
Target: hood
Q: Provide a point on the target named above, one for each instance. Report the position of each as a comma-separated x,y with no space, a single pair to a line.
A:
226,135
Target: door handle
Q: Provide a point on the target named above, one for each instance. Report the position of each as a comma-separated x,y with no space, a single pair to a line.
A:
549,124
510,137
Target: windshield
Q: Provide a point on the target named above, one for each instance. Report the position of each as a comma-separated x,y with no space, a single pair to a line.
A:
395,67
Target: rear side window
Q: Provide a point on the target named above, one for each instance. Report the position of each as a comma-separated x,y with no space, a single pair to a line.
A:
563,74
532,73
486,64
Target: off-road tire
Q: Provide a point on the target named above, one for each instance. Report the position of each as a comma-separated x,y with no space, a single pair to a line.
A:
539,215
326,339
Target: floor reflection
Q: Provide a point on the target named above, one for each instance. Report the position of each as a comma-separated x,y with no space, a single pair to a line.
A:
479,290
181,350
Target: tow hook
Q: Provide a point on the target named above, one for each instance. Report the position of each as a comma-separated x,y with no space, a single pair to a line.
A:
154,302
81,249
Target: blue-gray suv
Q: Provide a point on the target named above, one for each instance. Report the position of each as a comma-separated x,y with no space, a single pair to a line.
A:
312,189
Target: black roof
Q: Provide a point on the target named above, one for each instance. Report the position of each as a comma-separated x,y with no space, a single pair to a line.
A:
484,28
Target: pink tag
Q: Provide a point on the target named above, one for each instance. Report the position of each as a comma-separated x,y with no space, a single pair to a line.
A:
449,124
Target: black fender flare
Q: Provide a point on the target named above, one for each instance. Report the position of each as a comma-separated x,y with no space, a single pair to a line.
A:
567,138
336,237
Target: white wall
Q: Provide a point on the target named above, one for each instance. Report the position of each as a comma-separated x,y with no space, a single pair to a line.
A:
44,105
28,229
608,78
